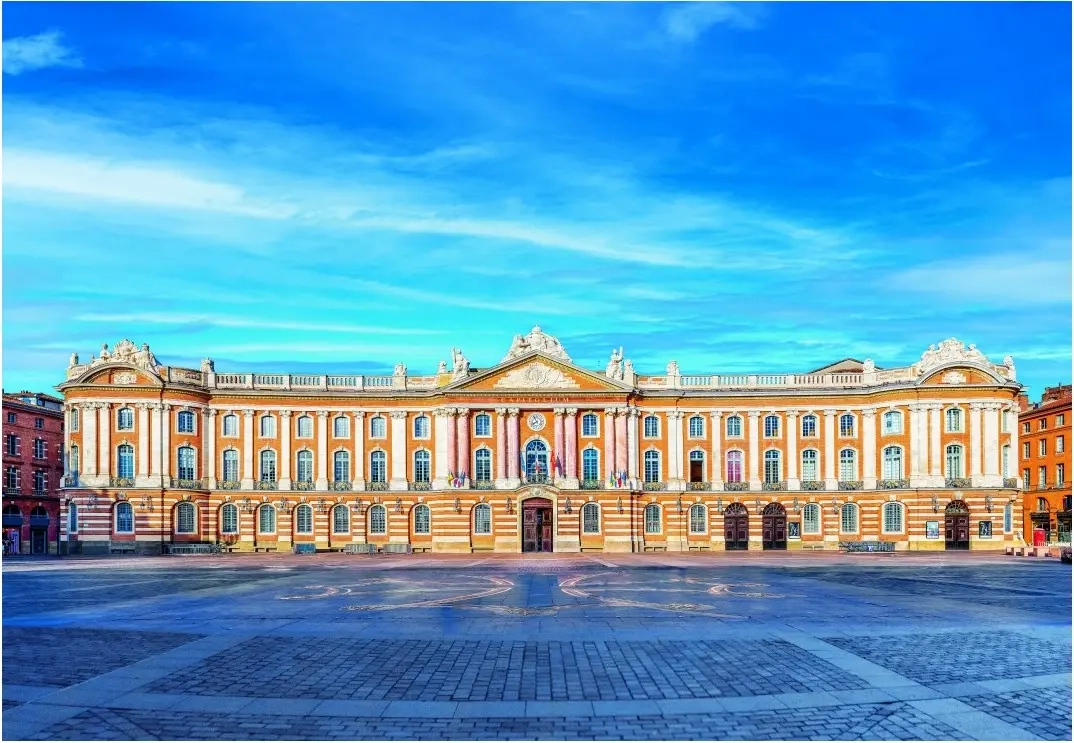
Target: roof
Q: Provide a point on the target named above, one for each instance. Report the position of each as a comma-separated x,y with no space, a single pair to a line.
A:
845,365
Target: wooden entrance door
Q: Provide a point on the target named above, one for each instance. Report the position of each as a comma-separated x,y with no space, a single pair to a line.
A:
774,527
537,525
736,527
956,523
37,541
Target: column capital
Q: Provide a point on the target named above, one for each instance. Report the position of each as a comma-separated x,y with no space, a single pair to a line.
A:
753,414
285,414
398,414
716,415
829,413
936,406
501,412
513,412
609,412
142,405
869,412
211,412
571,412
791,414
248,414
559,412
977,406
322,414
359,414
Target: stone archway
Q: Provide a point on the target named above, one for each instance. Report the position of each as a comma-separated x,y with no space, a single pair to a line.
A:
736,527
956,521
774,527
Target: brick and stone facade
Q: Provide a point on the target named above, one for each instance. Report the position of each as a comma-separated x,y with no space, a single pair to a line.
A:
1045,464
33,472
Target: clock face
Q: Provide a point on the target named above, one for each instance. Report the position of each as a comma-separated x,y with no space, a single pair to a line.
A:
536,421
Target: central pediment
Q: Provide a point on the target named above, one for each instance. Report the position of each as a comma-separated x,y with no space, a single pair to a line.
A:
538,371
535,375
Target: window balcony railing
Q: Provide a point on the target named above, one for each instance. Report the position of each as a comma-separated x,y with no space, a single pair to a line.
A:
699,486
12,490
812,484
537,479
121,482
377,485
1010,482
302,485
590,484
654,485
736,487
774,485
419,485
482,485
957,482
266,485
228,484
892,484
851,485
340,485
181,483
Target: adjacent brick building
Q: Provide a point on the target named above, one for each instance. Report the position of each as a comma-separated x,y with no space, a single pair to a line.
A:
1045,464
33,472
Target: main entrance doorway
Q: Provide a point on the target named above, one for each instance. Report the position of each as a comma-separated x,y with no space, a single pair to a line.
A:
537,525
736,527
774,527
956,523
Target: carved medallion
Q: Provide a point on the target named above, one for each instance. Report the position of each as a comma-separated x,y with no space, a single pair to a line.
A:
536,376
125,378
953,377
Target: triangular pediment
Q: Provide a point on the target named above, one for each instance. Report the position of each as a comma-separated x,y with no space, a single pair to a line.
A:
538,372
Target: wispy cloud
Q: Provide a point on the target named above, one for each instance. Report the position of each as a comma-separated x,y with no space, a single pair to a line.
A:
998,280
28,53
143,318
688,21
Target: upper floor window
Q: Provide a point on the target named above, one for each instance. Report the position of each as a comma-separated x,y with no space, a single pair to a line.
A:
697,427
734,426
12,444
771,426
483,424
268,466
73,464
1060,420
846,425
11,418
305,466
231,425
13,479
421,466
39,422
268,426
1025,427
1025,450
124,518
734,466
809,426
893,422
421,427
378,428
186,463
1042,477
1060,474
1042,505
892,463
1042,447
591,518
590,464
40,481
848,465
186,421
125,420
304,427
589,424
1005,421
652,426
341,427
1043,425
1060,445
75,415
125,461
652,466
378,467
771,466
809,465
1005,460
231,465
39,449
954,461
341,466
954,420
482,465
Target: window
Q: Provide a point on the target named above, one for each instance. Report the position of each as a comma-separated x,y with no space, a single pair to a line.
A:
185,518
1042,477
809,426
848,465
231,465
74,419
1060,474
11,418
341,466
1042,505
848,518
809,465
12,444
229,519
698,522
125,461
1060,420
1060,444
13,478
771,426
125,419
304,519
734,426
341,427
74,458
421,519
231,425
1008,517
954,420
483,465
266,519
268,426
72,518
1026,450
846,425
893,518
892,422
483,425
39,422
1005,461
1005,421
421,427
954,461
304,427
378,467
39,449
1043,425
697,427
697,466
589,424
378,428
186,421
268,466
305,466
186,463
652,519
482,518
1025,427
1042,448
1026,481
811,519
40,481
892,463
341,519
652,466
734,466
591,518
590,464
771,466
378,519
421,466
124,518
652,426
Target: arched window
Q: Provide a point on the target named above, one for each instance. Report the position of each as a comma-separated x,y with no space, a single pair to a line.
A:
483,465
341,519
305,466
72,518
186,421
421,519
809,426
482,518
771,426
421,466
697,466
304,519
231,425
231,465
229,519
125,461
954,420
536,459
846,425
421,427
341,427
954,461
893,518
268,426
771,466
266,519
848,518
848,465
378,467
810,462
652,466
483,424
591,518
268,466
652,519
378,429
734,466
126,419
124,518
734,426
589,424
892,422
187,468
697,427
378,519
1008,517
74,459
304,427
811,518
74,419
698,522
341,466
186,518
590,464
652,427
892,463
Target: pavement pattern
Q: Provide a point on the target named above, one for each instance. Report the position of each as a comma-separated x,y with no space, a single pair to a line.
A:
608,647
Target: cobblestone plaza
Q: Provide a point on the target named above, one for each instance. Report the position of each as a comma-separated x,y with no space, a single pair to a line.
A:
653,646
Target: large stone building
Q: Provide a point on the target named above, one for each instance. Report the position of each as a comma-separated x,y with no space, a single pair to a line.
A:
1045,464
33,470
539,453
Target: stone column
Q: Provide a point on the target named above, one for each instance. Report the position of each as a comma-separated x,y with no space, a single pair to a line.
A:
915,446
512,448
249,474
936,478
570,443
210,448
632,446
167,422
463,441
441,464
715,432
501,447
142,470
755,456
830,454
156,420
1016,453
793,482
608,460
558,448
359,453
285,450
451,443
868,448
621,440
89,439
993,477
104,423
976,444
322,450
399,456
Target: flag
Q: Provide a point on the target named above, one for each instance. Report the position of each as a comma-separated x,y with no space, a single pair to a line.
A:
619,480
462,478
554,468
611,480
450,478
522,460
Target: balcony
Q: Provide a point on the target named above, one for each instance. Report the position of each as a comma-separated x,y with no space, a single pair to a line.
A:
774,485
957,482
181,483
654,485
266,485
812,484
419,485
1010,482
892,484
302,485
121,482
228,484
377,485
537,479
696,486
9,490
340,485
851,485
482,485
736,487
590,484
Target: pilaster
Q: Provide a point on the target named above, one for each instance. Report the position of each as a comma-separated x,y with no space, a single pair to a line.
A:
141,472
868,437
936,479
463,441
830,455
501,448
248,473
104,421
513,479
608,460
89,439
399,455
715,432
1015,456
285,450
322,450
755,457
208,447
791,430
570,443
156,420
441,462
359,452
632,447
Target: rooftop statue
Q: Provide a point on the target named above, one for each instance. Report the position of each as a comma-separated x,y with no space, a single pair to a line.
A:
949,351
536,340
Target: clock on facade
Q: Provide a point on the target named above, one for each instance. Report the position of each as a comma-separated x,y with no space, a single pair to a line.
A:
536,421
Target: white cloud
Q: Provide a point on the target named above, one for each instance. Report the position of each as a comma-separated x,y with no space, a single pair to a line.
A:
687,22
27,53
238,322
1004,279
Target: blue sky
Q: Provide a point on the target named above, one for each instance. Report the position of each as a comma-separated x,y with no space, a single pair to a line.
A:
740,187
